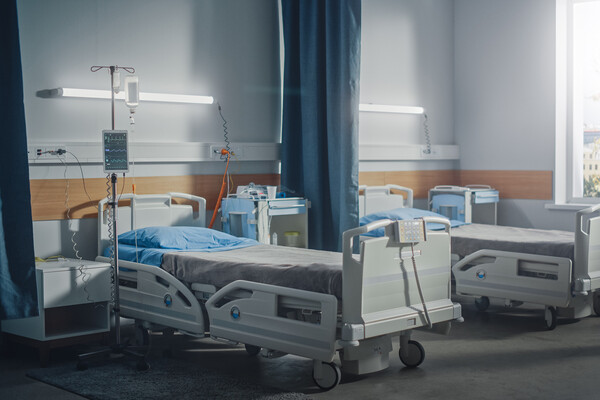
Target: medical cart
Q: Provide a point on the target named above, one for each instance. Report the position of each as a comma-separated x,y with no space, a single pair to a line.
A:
282,221
470,204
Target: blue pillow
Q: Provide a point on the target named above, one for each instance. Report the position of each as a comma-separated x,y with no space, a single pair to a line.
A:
181,238
404,213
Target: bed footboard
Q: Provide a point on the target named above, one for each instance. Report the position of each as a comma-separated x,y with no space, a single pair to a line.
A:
150,294
275,318
383,294
515,276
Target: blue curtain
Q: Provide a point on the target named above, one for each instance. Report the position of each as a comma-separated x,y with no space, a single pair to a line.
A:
18,295
320,113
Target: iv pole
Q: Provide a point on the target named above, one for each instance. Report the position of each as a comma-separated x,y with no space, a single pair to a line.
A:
118,349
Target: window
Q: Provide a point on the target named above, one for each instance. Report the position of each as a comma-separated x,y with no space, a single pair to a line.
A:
578,101
585,98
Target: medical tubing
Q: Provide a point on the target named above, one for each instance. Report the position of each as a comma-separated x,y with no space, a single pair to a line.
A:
414,263
132,131
223,185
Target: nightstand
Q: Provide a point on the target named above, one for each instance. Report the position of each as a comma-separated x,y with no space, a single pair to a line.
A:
74,306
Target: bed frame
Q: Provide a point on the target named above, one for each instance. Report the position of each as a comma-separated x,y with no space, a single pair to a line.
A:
372,199
380,297
566,289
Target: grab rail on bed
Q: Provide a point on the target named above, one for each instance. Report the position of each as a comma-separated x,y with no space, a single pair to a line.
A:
581,213
387,191
348,236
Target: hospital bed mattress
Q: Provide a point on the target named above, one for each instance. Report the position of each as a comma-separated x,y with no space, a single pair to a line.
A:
297,268
467,239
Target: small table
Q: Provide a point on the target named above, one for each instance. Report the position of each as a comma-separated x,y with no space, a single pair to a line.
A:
74,306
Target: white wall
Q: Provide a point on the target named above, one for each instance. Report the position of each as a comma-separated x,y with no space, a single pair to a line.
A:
504,96
407,59
228,49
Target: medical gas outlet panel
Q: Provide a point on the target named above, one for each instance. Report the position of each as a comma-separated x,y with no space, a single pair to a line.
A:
281,221
470,204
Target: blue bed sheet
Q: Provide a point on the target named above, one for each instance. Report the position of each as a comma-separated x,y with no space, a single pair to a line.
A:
405,213
154,242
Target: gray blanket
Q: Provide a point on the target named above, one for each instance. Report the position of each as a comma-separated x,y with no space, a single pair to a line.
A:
316,271
467,239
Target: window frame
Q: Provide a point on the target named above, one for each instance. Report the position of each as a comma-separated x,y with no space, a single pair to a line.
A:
569,168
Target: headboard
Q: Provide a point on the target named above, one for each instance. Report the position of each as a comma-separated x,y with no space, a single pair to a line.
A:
140,211
380,198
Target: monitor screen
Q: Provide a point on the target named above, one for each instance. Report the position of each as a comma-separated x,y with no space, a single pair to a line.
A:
115,151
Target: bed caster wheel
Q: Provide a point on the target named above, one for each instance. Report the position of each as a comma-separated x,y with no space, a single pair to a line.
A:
252,350
82,366
482,303
330,376
597,303
550,318
142,336
142,365
413,355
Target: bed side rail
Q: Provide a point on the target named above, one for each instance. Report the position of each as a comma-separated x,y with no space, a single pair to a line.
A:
515,276
149,293
586,270
276,318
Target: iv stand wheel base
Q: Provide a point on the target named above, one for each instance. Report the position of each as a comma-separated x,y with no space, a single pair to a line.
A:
114,353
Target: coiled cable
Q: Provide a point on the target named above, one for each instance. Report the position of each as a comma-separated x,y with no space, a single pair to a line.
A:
427,137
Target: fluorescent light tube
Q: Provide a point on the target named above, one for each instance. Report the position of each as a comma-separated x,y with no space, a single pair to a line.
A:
391,109
105,94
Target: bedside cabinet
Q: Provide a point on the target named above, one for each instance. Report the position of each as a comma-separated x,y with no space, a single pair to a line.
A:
74,306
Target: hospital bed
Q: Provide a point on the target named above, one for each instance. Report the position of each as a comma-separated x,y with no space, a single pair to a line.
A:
281,300
559,270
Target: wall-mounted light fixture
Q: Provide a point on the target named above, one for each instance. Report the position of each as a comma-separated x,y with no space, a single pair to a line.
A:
391,109
105,94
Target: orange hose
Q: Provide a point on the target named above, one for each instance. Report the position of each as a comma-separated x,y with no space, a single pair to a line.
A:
223,185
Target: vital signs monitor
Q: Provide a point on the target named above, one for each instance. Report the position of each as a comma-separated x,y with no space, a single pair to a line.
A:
115,151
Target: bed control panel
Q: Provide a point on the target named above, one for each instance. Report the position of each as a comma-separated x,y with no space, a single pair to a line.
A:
410,231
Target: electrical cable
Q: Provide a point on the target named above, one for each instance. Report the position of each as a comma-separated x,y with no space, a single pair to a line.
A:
427,137
113,295
225,134
223,185
414,263
81,170
85,276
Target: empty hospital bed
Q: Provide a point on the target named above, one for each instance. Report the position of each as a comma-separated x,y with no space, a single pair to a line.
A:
287,300
559,270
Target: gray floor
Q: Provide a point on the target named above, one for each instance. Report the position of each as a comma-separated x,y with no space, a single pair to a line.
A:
500,354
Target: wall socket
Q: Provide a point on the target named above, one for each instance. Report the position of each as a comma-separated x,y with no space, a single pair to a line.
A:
44,152
238,152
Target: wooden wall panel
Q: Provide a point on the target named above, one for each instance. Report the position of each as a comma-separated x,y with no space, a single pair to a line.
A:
535,185
48,197
419,181
48,200
532,185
